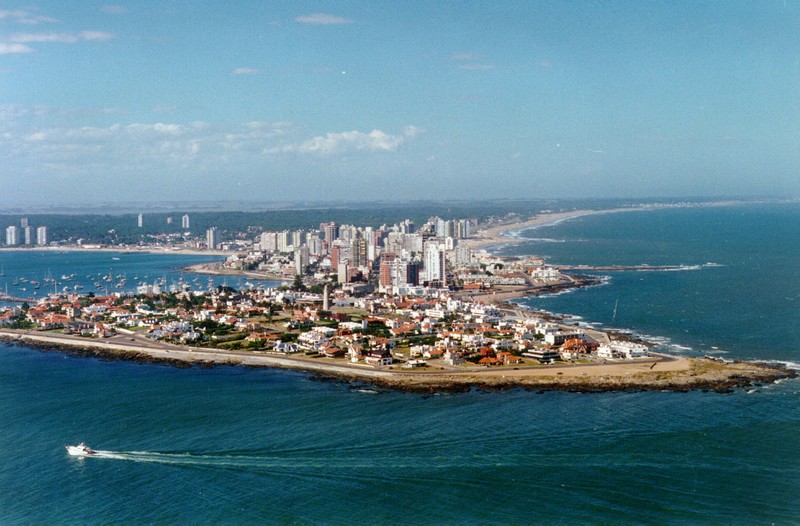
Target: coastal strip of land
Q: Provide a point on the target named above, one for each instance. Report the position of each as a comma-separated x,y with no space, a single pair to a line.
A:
659,372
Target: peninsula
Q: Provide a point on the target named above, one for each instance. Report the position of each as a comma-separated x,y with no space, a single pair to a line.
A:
417,309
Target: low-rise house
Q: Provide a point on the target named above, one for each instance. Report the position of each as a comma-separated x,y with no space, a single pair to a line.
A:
622,350
453,357
378,357
332,351
287,348
413,364
543,355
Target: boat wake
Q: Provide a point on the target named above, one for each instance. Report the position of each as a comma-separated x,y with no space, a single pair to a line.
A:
295,464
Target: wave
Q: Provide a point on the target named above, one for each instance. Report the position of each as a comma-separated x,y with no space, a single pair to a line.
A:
788,364
547,240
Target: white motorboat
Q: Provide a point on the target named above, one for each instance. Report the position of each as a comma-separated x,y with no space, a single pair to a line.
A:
81,450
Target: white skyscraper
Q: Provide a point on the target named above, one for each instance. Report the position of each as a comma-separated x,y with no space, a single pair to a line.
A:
434,262
12,236
140,220
41,235
185,221
27,235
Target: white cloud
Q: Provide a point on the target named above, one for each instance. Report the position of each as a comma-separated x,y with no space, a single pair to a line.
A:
11,49
25,17
350,141
150,144
464,56
246,71
322,19
95,35
66,38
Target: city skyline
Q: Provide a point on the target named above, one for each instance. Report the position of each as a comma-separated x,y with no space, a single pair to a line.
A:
120,102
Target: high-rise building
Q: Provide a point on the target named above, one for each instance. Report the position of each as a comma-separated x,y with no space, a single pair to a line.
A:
315,245
358,251
385,270
463,228
27,235
169,220
331,232
342,273
434,262
269,241
301,259
298,238
212,238
284,241
140,221
12,236
41,235
23,222
185,221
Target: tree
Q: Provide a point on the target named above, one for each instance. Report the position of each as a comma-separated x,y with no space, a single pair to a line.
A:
297,284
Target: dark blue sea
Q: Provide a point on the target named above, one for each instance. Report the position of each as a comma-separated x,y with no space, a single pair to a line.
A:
236,445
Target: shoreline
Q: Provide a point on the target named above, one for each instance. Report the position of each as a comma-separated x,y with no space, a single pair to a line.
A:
658,373
494,234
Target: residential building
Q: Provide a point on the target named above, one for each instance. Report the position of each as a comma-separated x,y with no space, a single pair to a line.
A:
212,238
12,236
41,235
301,260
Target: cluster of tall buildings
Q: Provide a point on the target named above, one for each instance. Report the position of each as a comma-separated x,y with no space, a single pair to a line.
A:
401,254
25,234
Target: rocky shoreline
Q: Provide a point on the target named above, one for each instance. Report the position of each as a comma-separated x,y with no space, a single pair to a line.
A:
701,374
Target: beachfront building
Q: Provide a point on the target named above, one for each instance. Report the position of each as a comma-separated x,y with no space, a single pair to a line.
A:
543,355
41,235
185,221
12,236
140,221
622,350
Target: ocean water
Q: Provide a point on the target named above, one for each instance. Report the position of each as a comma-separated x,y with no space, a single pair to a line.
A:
239,445
83,272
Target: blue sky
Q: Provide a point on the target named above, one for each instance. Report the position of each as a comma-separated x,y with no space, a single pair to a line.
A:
263,101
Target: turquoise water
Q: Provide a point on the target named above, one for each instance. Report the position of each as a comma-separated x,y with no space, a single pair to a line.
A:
238,445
